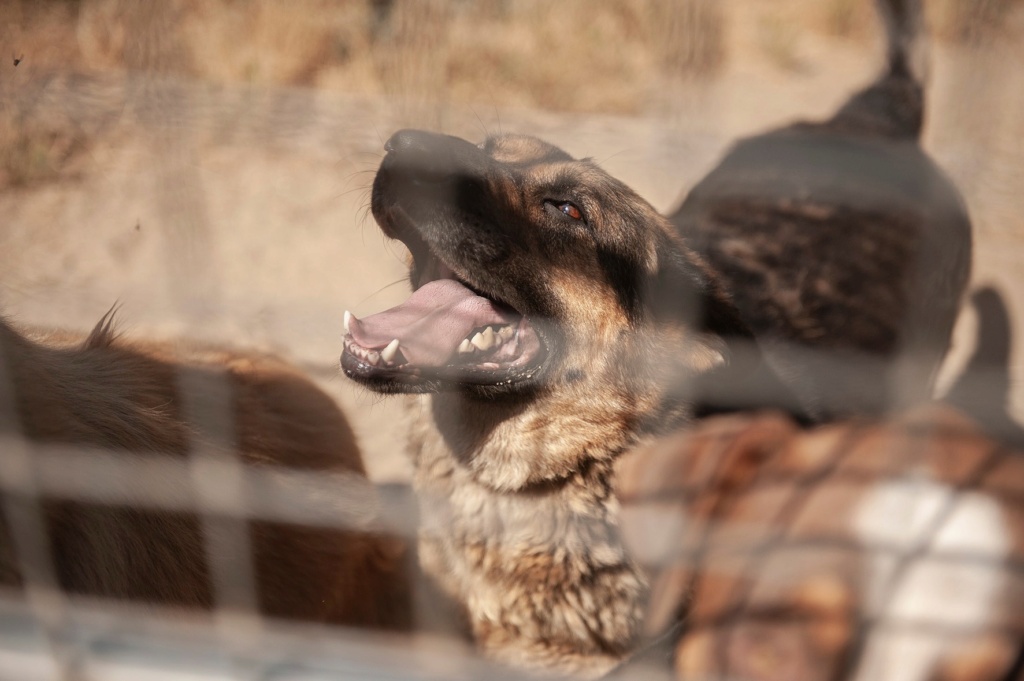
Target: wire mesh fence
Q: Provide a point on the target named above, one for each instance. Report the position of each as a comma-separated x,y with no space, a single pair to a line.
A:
870,549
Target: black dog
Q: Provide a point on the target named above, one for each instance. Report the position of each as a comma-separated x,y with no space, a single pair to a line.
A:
845,248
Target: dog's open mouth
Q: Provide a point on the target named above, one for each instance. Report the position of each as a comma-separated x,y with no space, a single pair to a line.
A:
445,333
457,329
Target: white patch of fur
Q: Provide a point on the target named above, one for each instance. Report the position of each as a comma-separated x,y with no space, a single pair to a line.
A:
898,517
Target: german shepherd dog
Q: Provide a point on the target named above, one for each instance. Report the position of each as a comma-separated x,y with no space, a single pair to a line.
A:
556,320
164,405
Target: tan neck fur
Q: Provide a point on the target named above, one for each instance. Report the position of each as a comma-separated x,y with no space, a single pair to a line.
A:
537,565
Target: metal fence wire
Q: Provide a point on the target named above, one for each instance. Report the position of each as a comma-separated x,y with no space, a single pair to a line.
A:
871,549
867,549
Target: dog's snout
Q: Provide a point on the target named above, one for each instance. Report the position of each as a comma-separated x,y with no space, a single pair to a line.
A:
408,140
424,172
421,158
431,157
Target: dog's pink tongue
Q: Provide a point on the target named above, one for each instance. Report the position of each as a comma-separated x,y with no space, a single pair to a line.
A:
429,325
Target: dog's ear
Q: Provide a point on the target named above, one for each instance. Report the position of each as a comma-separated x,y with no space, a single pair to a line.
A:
684,291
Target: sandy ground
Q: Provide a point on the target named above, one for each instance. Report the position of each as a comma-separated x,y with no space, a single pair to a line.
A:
239,215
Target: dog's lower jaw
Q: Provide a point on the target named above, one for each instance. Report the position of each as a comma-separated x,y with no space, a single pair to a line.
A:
541,576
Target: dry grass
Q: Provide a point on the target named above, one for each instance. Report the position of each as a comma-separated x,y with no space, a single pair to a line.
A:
975,21
42,32
41,36
575,55
32,152
778,36
847,18
281,43
688,37
613,56
569,56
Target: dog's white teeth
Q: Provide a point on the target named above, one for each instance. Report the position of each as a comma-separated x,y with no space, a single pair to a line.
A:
490,337
373,357
347,317
388,353
484,340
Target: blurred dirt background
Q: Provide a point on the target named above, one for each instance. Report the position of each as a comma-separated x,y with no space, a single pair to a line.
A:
206,163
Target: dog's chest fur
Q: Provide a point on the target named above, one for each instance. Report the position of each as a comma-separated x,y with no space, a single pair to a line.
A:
540,573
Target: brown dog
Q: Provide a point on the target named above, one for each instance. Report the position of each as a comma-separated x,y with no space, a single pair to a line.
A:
883,548
219,428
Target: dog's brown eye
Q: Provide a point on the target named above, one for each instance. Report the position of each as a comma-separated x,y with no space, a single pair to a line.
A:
567,209
571,210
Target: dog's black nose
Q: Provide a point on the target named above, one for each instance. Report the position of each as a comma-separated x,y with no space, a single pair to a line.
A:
418,157
410,140
428,158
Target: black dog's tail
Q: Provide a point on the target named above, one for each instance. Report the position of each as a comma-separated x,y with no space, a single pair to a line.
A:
906,38
983,388
893,106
